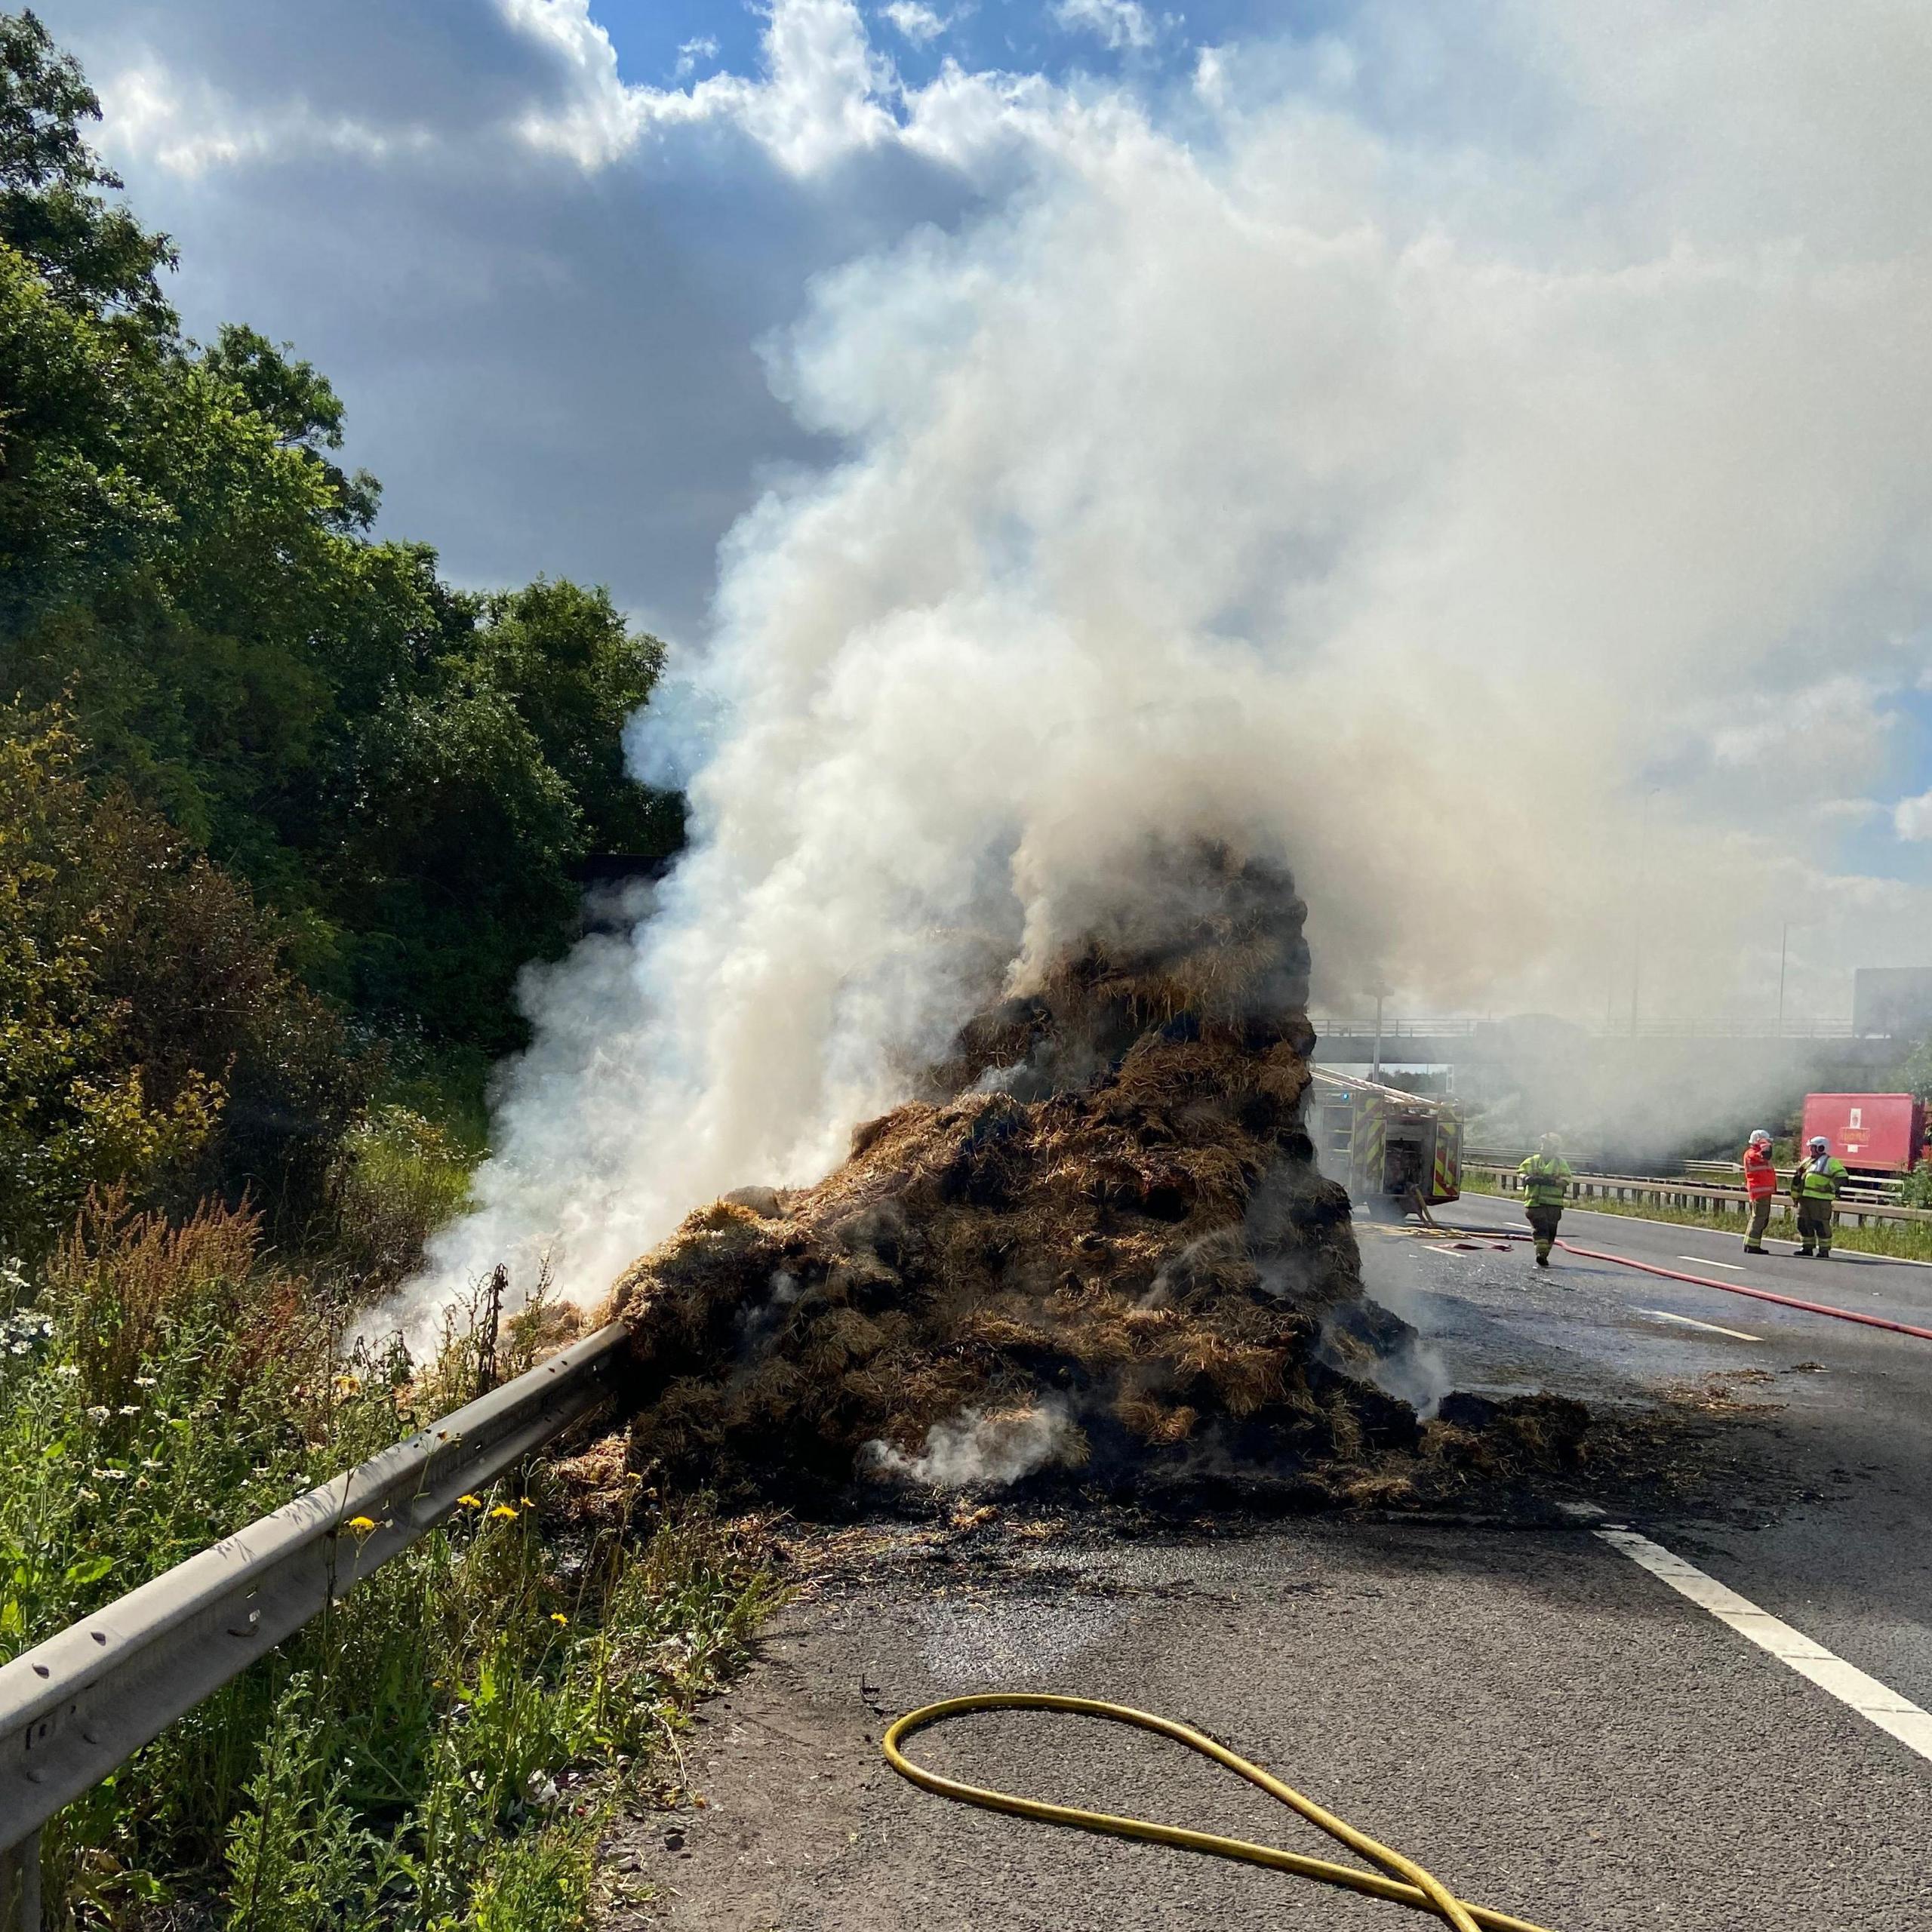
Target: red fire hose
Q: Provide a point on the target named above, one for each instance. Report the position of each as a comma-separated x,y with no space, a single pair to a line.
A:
1756,1295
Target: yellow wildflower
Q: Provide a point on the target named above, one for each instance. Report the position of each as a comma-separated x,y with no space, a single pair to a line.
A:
362,1525
558,1617
504,1510
470,1501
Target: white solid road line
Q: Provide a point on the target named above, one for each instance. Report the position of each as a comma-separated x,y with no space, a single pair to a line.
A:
1870,1699
1689,1321
1705,1261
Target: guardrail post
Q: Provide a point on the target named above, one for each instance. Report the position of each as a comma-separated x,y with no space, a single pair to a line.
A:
19,1885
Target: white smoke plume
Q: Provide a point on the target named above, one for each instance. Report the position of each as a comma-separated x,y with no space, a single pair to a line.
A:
1486,472
978,1450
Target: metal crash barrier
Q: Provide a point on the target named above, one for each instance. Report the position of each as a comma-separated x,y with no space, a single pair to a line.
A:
1638,1188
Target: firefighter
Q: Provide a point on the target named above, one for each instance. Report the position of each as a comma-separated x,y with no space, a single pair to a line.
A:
1545,1186
1815,1186
1761,1184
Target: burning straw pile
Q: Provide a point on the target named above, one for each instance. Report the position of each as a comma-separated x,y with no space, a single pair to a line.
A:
1107,1259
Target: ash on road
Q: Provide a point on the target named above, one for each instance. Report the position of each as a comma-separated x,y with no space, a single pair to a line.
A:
1542,1723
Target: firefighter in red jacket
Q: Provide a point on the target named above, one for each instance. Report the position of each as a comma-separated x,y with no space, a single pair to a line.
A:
1761,1184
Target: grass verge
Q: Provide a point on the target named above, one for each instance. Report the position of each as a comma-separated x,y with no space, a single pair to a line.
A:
442,1751
1907,1242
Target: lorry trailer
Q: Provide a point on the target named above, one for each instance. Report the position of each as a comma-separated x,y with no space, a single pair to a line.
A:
1877,1134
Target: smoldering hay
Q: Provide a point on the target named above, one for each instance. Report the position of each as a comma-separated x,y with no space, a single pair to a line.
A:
1098,1253
1402,459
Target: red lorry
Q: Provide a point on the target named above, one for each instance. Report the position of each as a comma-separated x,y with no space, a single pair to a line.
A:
1878,1133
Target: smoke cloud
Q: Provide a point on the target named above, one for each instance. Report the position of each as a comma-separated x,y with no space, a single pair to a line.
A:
1488,475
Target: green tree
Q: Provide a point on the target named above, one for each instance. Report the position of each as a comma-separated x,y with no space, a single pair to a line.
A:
76,515
304,410
403,773
95,257
455,868
1916,1072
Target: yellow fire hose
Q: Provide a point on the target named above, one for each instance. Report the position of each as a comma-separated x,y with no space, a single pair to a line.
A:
1405,1882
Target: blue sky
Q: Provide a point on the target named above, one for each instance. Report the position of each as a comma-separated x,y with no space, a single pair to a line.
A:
1023,36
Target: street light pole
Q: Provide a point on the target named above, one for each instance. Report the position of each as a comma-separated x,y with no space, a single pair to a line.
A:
1637,920
1784,943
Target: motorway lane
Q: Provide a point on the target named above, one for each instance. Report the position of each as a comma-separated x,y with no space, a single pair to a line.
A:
1846,1553
1872,1284
1546,1724
1532,1716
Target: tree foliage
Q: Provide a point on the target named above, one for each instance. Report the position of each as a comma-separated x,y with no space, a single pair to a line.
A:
95,258
403,774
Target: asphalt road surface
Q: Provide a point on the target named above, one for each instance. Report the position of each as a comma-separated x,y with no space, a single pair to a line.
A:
1546,1724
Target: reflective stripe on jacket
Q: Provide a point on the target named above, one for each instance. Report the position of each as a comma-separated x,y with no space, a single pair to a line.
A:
1546,1180
1819,1180
1760,1174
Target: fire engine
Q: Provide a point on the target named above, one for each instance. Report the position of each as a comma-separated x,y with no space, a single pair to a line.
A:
1390,1148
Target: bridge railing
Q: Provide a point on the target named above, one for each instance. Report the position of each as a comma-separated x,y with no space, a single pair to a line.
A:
76,1707
1722,1027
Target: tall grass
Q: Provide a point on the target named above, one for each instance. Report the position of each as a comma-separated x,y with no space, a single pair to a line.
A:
441,1750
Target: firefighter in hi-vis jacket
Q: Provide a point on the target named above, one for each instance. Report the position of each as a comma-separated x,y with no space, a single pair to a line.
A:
1760,1185
1546,1177
1815,1187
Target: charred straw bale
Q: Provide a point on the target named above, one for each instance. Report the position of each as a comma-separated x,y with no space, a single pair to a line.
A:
1106,1249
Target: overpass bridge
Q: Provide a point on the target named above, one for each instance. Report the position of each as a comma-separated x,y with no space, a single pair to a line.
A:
1810,1049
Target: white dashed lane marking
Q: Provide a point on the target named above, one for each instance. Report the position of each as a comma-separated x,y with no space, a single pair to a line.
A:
1705,1261
1897,1715
1690,1321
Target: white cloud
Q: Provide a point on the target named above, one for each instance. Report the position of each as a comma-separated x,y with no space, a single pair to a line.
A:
1120,24
188,128
823,93
1912,818
442,203
917,23
1835,724
691,52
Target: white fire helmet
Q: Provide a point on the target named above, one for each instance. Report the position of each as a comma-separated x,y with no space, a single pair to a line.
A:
1819,1145
1759,1138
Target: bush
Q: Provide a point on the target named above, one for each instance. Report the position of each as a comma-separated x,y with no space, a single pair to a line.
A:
397,1178
151,1037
